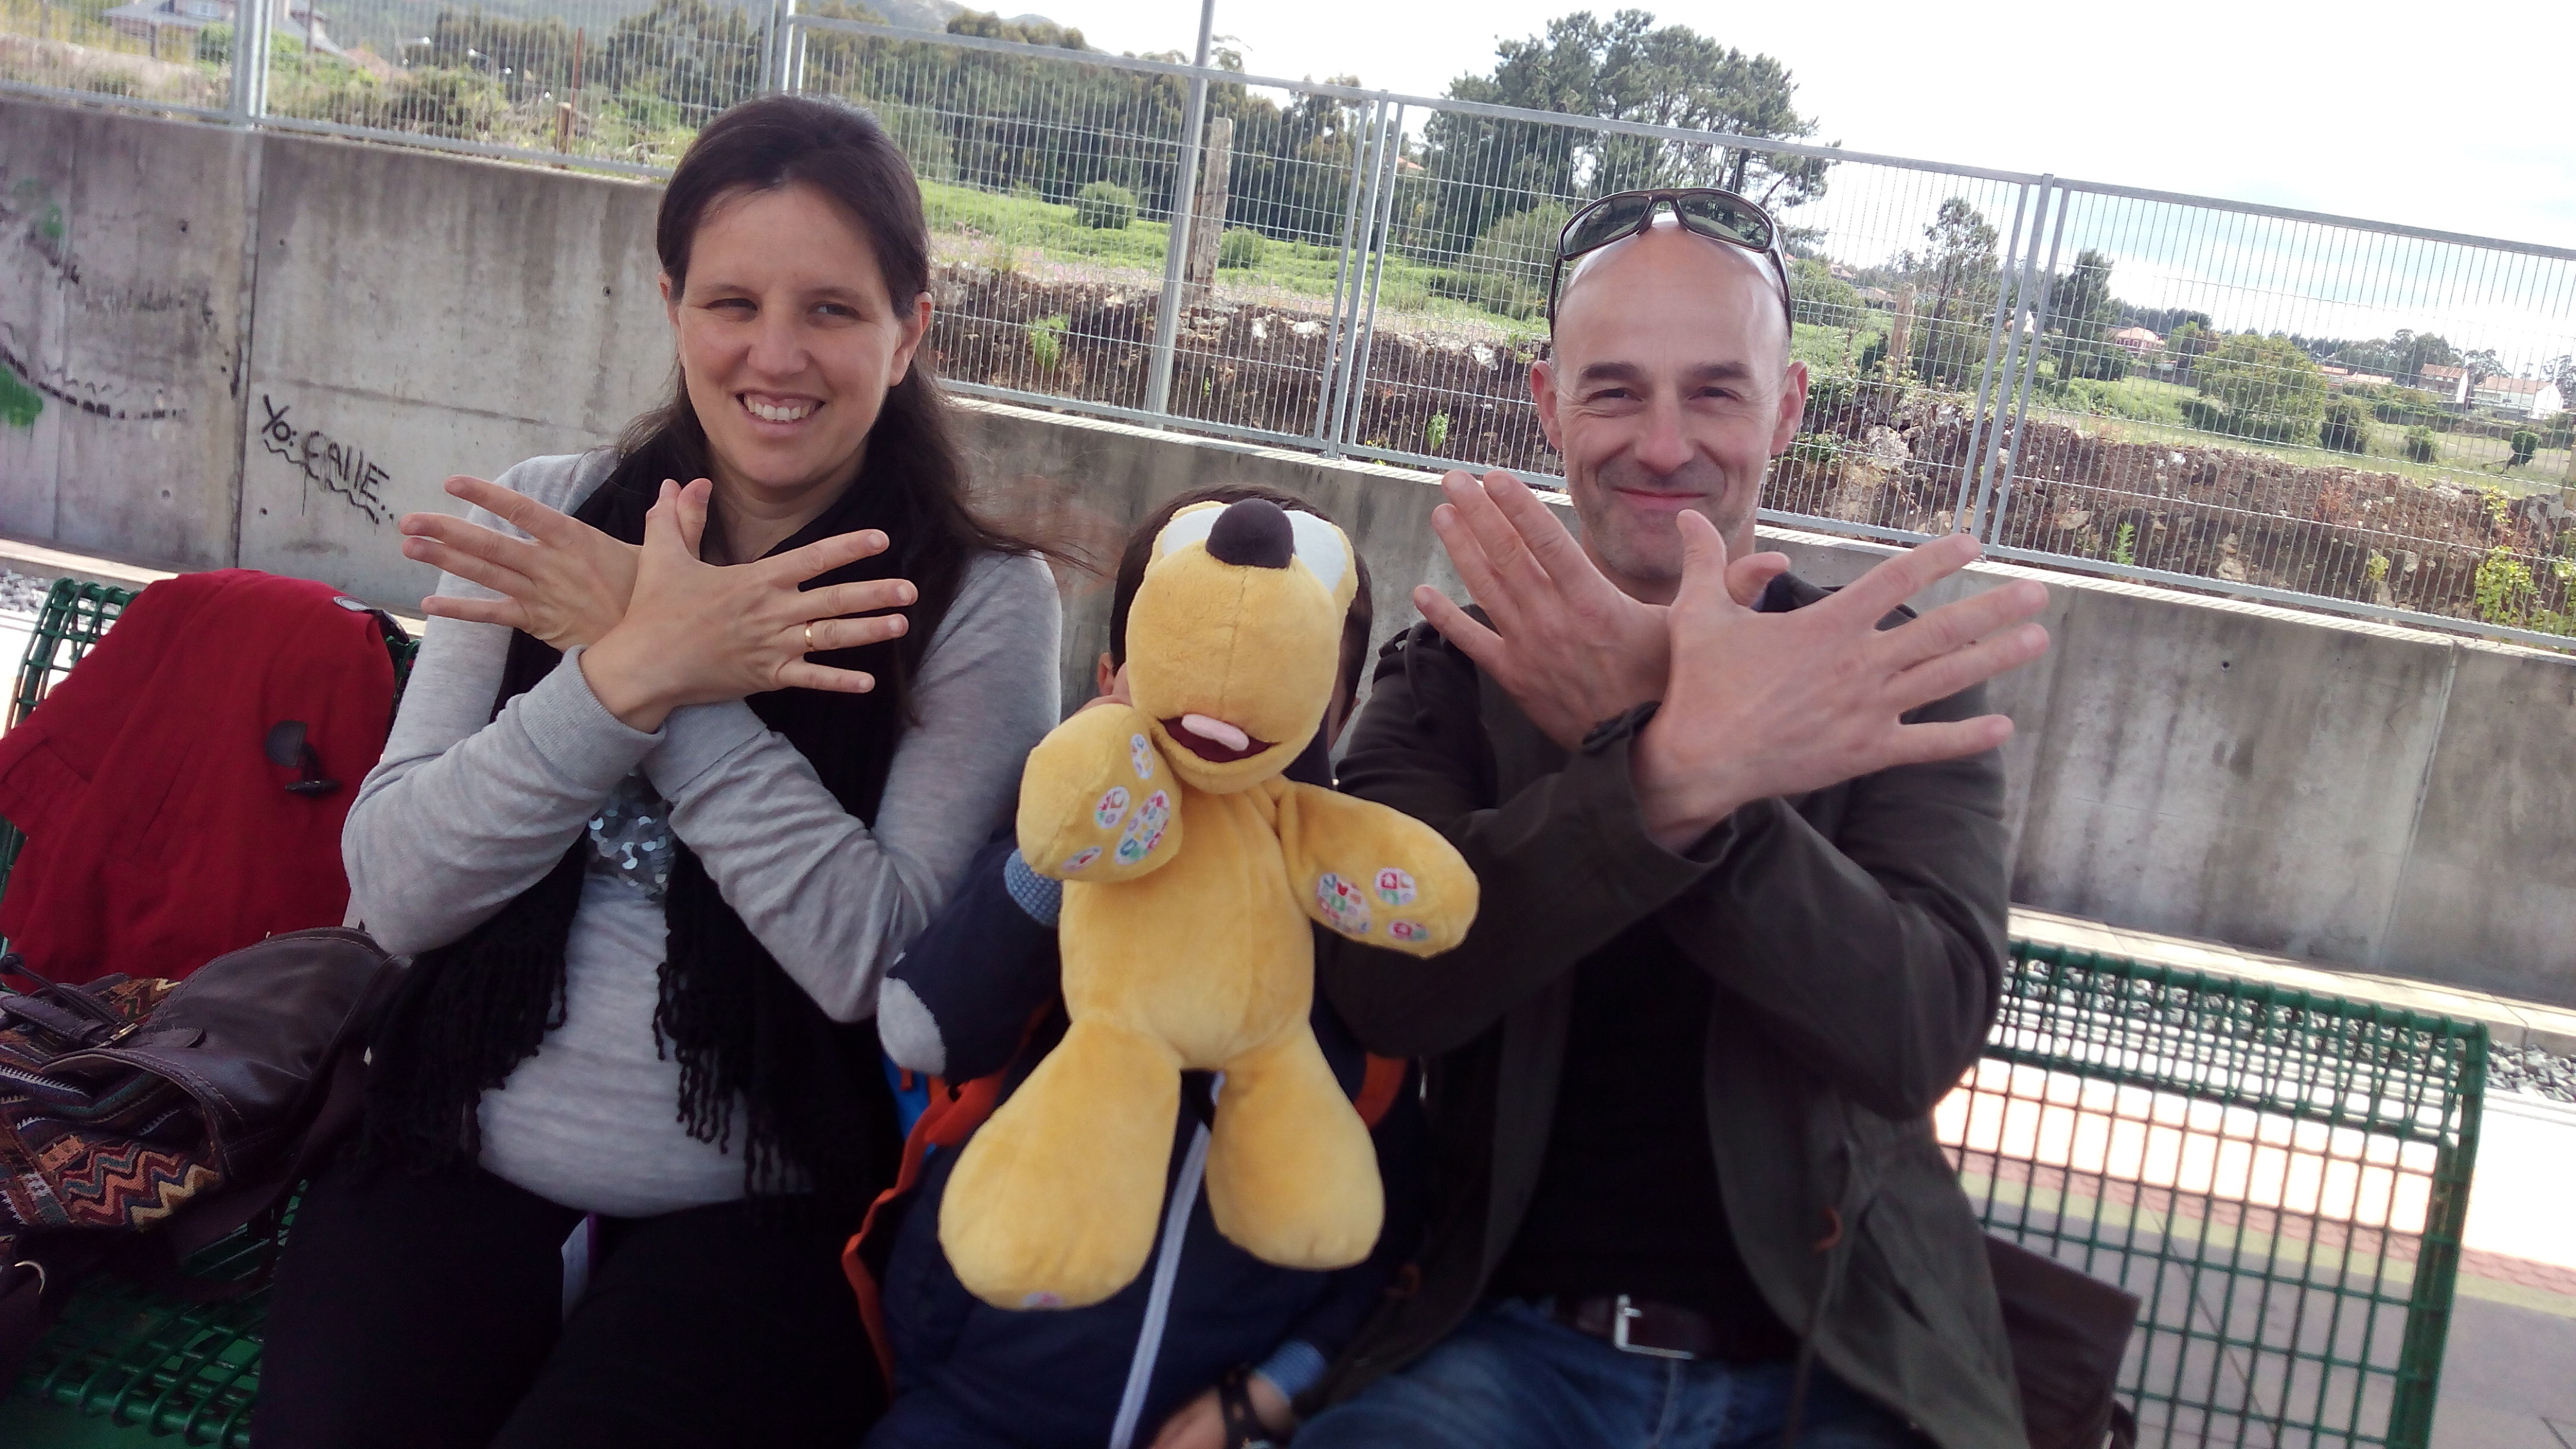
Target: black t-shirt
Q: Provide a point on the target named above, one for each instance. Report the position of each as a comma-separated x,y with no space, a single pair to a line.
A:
1627,1200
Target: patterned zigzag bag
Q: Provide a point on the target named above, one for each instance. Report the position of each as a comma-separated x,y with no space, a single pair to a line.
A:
141,1120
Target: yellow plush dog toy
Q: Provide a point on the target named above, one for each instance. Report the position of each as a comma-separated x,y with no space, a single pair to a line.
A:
1192,869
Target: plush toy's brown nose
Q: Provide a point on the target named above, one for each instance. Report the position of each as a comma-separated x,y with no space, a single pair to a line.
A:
1253,533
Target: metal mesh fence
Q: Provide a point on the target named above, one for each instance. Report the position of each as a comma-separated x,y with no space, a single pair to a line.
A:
2280,1176
2357,416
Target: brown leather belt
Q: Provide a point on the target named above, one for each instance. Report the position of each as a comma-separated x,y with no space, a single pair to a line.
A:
1665,1330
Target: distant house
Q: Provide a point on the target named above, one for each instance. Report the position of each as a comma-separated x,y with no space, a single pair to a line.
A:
2450,384
2138,340
2361,379
1877,297
2520,397
147,19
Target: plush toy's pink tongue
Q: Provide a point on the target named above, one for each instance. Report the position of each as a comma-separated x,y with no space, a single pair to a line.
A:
1215,729
1212,739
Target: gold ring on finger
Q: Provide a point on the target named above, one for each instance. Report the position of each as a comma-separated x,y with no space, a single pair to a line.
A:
810,646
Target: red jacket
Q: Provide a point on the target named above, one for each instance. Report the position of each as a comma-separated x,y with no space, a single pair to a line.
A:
159,836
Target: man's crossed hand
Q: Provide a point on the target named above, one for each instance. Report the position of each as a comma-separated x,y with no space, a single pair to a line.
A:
1754,705
1760,705
1566,644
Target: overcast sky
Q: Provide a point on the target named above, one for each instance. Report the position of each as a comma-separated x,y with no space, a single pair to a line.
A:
2448,116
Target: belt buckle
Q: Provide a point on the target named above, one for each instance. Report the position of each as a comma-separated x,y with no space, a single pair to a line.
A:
1620,1316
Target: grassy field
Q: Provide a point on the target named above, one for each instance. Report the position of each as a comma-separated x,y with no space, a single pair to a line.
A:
1006,232
2148,410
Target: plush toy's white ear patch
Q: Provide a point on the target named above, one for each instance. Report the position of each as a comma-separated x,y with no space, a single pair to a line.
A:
1322,547
1191,525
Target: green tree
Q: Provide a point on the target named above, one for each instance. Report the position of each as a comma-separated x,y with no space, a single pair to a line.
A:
1822,299
2346,428
1624,68
2264,387
2525,444
1958,279
2082,315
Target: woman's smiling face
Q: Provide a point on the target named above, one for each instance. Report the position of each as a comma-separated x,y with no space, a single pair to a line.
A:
788,340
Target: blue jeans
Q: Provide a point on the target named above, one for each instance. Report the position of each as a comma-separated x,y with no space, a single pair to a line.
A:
1513,1378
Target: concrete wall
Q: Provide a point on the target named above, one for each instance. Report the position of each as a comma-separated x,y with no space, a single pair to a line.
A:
260,349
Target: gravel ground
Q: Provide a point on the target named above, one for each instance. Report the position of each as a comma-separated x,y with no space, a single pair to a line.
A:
2532,1070
20,594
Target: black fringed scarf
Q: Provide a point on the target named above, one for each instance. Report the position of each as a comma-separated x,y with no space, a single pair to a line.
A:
818,1119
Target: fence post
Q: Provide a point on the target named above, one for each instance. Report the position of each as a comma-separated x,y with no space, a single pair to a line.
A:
1971,469
1207,214
1363,273
2021,367
250,59
1390,155
1363,136
2029,374
782,40
1176,246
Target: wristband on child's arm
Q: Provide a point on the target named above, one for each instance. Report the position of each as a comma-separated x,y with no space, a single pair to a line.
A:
1040,898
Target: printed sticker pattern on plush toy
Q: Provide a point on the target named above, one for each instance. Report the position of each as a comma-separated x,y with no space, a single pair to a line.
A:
1140,753
1081,861
1112,805
1408,930
1395,886
1344,904
1145,831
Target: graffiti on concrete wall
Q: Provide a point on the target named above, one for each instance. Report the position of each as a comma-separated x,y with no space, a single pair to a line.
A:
341,469
38,260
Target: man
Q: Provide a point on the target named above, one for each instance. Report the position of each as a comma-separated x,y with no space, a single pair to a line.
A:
1742,855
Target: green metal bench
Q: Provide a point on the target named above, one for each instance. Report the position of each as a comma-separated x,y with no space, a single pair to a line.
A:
2281,1176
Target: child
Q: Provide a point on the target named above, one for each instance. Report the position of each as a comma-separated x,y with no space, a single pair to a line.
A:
1209,1345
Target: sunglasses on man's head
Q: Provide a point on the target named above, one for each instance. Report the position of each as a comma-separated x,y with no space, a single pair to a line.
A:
1720,216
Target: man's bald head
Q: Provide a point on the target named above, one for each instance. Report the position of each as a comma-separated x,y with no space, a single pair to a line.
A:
1667,262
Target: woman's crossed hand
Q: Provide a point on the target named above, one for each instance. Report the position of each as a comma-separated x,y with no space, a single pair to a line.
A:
699,633
566,583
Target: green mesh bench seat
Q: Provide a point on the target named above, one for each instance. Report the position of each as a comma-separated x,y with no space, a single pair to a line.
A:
2281,1176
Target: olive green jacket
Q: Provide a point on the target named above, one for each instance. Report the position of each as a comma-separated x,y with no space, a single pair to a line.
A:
1856,936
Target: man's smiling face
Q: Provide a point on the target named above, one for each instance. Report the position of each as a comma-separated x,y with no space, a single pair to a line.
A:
1669,387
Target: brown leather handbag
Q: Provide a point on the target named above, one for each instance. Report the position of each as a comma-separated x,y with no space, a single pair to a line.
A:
140,1120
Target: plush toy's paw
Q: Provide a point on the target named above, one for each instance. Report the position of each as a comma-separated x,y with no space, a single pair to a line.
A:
1097,800
1291,1175
1374,874
1056,1199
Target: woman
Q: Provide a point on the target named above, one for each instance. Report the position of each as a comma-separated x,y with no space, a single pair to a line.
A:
628,1100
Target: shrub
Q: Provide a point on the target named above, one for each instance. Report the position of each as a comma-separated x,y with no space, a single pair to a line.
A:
2410,407
215,44
1873,354
2346,428
1435,435
2268,388
1818,296
1105,206
1241,246
2419,444
1046,341
2559,432
2525,444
